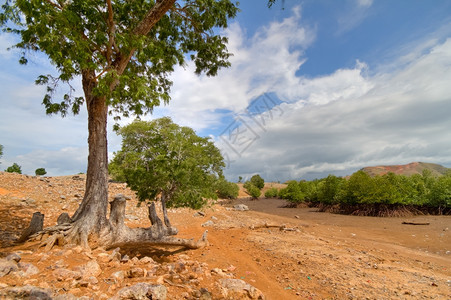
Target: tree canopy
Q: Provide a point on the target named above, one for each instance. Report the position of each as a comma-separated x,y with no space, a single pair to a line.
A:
14,168
120,46
163,158
40,172
257,181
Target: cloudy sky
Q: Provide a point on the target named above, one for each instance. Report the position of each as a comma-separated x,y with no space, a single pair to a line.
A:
316,87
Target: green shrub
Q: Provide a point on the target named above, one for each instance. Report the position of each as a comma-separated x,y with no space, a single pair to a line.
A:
292,192
272,193
40,172
252,190
330,189
257,181
15,168
226,189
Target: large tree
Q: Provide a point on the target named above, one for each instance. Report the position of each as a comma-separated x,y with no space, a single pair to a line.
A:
123,52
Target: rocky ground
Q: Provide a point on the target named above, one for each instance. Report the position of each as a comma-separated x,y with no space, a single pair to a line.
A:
277,252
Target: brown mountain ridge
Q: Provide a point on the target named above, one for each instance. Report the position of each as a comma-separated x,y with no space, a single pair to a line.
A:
408,169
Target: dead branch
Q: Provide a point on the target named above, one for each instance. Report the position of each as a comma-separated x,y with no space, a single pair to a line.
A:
282,227
415,223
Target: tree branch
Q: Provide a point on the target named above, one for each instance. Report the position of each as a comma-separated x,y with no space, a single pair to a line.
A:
111,32
57,5
148,22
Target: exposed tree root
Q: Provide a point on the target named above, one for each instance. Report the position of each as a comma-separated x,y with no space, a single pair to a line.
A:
114,233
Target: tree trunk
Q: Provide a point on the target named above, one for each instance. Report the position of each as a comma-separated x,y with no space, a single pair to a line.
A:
90,217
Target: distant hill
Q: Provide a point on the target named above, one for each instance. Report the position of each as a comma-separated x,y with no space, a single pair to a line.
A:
409,169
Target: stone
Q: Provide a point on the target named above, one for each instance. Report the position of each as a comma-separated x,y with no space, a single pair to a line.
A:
131,217
125,258
142,291
91,268
199,214
146,260
13,257
115,255
26,292
65,274
7,266
241,207
204,294
208,223
118,277
27,269
219,272
135,273
238,289
63,219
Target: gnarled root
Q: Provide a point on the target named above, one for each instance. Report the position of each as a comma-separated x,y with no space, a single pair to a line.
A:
88,231
157,234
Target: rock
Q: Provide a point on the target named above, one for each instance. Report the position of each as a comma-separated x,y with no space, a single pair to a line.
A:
142,291
115,255
146,260
65,274
199,214
7,266
208,223
118,277
204,294
219,272
125,258
240,207
13,257
27,269
63,219
26,292
135,273
238,289
214,218
66,297
89,269
131,217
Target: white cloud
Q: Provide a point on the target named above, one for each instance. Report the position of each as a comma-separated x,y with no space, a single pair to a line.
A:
64,161
346,121
260,64
364,3
353,16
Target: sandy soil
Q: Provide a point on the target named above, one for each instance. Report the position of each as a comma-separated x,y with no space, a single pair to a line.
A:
326,256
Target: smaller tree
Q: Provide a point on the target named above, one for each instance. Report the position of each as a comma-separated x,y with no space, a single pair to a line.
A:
292,192
257,181
15,168
1,151
252,190
240,179
161,159
226,189
40,172
272,193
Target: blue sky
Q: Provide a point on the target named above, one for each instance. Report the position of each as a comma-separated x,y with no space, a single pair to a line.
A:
316,87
